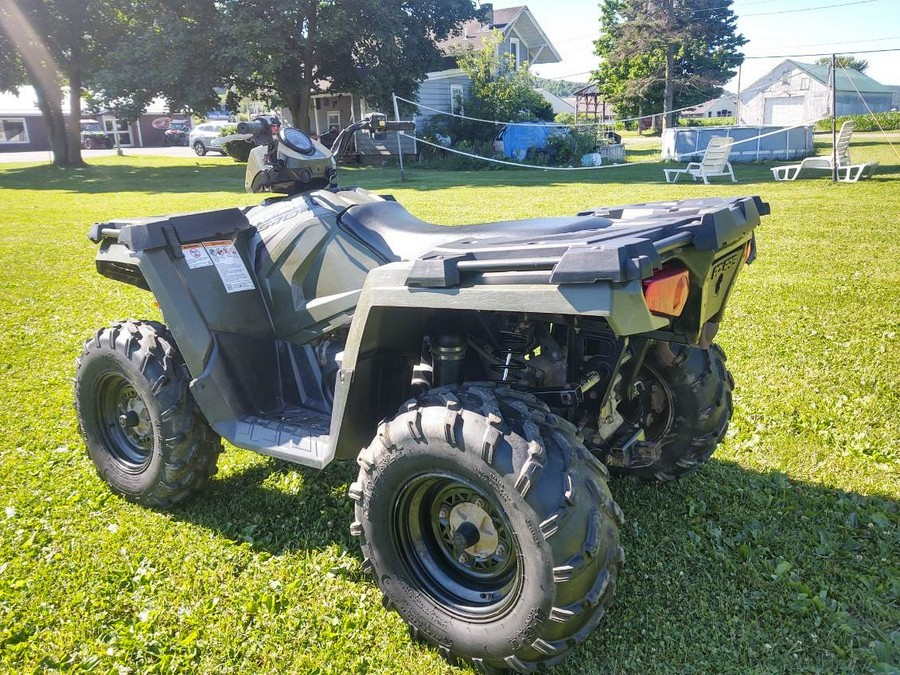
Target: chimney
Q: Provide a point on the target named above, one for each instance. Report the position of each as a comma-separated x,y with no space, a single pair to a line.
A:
488,9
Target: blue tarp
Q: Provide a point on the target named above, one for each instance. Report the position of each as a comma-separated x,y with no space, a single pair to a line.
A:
517,138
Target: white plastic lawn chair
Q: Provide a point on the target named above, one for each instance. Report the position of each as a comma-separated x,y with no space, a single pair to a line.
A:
847,171
714,163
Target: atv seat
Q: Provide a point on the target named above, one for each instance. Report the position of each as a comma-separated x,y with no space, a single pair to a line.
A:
396,234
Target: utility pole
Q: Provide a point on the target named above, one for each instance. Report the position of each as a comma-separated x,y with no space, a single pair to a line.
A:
669,91
834,167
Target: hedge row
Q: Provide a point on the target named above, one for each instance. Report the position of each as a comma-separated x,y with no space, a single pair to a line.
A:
889,121
705,121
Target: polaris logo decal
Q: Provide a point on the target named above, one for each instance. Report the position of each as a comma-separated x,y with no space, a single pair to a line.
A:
726,266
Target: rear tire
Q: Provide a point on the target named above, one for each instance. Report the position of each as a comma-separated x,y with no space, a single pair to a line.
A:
684,410
489,526
199,148
142,428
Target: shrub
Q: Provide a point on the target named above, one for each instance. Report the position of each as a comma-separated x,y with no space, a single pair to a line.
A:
567,149
438,158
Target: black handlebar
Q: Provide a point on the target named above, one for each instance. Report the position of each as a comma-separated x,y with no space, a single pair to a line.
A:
400,126
263,128
254,127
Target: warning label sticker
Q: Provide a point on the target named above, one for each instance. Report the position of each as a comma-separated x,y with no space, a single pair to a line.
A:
229,265
196,256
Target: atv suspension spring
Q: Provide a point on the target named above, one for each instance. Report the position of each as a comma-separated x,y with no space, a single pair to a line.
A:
511,354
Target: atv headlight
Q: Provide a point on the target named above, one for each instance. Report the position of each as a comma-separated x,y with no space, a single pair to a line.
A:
297,141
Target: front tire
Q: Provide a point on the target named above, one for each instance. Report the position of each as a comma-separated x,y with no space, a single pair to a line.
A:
489,526
142,428
88,143
684,409
199,148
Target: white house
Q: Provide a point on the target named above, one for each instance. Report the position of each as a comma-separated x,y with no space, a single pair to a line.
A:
559,105
796,93
718,107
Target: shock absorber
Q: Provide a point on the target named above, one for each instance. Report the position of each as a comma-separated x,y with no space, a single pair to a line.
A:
510,354
449,354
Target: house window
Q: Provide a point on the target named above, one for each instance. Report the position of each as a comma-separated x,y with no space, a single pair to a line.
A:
456,99
334,119
13,130
804,83
514,50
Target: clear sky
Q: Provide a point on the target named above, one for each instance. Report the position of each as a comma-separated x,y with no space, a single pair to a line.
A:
573,25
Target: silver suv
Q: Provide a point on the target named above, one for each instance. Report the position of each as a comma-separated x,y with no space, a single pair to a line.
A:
205,137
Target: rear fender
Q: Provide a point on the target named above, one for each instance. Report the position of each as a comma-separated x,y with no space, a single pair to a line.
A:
391,318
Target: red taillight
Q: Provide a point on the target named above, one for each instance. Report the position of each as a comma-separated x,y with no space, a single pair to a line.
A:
666,292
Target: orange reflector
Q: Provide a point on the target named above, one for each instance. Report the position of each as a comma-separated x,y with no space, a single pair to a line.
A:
666,292
748,249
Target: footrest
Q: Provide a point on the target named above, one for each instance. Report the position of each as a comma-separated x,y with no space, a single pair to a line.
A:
294,435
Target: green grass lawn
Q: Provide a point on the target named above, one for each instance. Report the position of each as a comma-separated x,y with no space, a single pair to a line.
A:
781,555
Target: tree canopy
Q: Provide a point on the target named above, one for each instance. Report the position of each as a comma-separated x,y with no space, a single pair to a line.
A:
164,48
660,55
286,50
53,44
124,53
845,61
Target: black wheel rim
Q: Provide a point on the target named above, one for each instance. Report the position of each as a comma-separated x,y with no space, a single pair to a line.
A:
475,576
124,422
652,409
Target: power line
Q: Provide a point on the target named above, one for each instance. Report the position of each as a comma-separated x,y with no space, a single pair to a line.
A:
809,9
563,77
709,10
850,53
846,42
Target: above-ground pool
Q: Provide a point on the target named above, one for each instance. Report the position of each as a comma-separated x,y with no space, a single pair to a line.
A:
752,143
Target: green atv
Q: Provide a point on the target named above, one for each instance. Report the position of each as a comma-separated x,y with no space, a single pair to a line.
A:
494,375
93,136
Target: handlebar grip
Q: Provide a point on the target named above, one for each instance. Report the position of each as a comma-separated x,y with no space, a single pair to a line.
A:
408,125
254,127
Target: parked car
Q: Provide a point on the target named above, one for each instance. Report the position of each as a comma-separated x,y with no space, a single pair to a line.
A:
205,137
93,136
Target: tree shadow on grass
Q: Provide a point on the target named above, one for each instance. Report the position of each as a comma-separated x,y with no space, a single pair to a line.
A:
278,507
104,179
726,570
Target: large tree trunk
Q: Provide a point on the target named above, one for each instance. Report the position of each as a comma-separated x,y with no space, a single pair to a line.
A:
42,74
74,122
303,95
298,104
51,111
49,99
